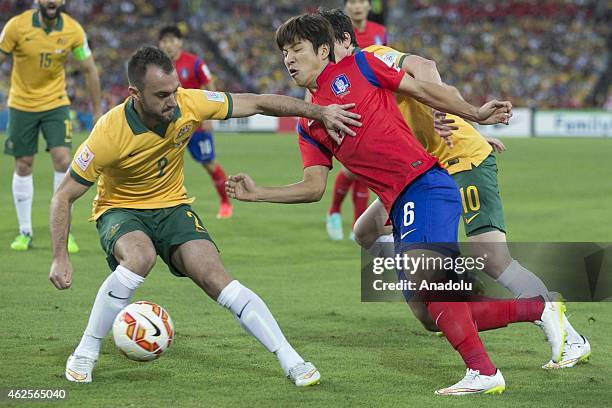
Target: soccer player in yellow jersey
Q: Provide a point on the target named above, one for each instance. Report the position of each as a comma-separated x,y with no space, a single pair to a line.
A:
468,157
40,41
135,152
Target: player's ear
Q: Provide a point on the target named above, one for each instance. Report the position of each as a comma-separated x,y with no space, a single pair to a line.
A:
324,51
134,93
346,41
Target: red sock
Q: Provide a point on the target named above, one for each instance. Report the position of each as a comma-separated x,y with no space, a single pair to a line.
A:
342,185
489,313
455,321
361,197
218,177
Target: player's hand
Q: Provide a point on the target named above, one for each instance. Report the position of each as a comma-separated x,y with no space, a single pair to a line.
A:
241,187
496,144
61,273
444,127
494,112
337,119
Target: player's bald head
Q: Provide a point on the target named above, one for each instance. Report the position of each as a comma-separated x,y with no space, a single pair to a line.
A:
306,27
144,58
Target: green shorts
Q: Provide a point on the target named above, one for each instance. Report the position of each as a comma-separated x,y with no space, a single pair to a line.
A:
23,129
482,205
167,228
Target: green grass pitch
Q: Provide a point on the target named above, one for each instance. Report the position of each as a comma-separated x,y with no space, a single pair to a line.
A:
369,355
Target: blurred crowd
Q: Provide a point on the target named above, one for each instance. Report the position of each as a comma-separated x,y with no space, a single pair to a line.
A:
544,53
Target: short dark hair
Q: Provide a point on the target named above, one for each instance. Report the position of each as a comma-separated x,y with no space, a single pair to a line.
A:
141,59
346,1
309,27
340,22
170,30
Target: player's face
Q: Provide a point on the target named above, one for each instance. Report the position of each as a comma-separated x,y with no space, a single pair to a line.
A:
158,98
49,8
357,10
171,45
304,64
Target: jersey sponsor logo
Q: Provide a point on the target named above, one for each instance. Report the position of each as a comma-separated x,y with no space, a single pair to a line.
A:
184,73
340,85
388,59
214,96
84,158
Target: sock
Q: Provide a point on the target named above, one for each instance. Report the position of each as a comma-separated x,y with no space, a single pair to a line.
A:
218,177
23,193
121,283
255,317
455,321
521,281
342,185
489,313
58,177
383,247
361,197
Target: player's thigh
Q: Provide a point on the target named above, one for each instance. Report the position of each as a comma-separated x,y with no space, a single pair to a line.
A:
56,127
482,209
371,224
126,238
22,133
201,146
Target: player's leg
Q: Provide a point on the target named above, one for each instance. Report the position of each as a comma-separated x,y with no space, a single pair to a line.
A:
372,232
361,197
56,127
202,149
22,143
189,251
125,237
342,184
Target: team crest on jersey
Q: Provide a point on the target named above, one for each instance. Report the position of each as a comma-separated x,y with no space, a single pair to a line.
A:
184,73
183,134
61,41
340,85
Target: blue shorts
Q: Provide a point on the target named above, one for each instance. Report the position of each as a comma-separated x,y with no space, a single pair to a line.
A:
427,212
202,147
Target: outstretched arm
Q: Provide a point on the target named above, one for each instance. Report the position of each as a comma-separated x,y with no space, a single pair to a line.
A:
59,221
310,189
336,118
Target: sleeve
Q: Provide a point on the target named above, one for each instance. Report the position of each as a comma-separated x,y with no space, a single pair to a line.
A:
209,105
312,152
379,72
387,54
9,37
80,48
94,154
202,72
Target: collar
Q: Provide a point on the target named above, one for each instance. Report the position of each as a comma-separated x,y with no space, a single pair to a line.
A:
59,22
138,127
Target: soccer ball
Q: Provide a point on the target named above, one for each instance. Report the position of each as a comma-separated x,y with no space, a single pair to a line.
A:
143,331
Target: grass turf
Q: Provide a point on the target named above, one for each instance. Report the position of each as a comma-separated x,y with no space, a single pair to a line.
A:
369,354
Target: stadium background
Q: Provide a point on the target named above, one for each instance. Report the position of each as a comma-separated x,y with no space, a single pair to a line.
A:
539,54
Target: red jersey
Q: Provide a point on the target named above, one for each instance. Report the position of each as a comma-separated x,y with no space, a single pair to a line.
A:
384,153
192,71
372,34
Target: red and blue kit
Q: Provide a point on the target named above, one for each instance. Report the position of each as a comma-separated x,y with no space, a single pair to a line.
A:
372,34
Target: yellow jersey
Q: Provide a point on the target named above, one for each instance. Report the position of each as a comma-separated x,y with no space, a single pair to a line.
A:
38,78
469,147
142,168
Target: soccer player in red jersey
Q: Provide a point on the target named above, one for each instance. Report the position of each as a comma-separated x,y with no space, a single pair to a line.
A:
194,74
421,198
367,33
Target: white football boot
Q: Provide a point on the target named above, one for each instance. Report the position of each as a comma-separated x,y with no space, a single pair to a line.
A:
552,322
573,353
79,368
304,375
476,383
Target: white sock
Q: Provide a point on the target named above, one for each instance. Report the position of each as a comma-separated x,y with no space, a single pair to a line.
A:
383,247
23,193
58,176
524,283
255,317
113,296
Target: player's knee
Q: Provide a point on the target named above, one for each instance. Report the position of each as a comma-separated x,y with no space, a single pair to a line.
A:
23,166
363,236
61,164
139,258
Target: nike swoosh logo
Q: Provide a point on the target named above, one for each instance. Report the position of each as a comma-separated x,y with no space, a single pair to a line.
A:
110,293
406,233
310,122
157,331
243,307
75,375
468,220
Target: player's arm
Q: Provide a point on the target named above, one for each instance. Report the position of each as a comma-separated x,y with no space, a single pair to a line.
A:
92,81
336,118
59,222
8,39
421,68
310,189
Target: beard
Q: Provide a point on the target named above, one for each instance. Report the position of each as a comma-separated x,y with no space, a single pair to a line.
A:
163,118
47,13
